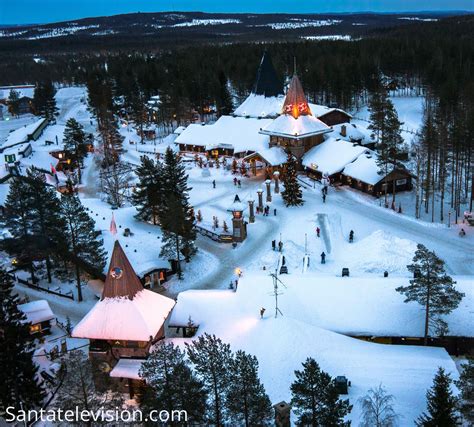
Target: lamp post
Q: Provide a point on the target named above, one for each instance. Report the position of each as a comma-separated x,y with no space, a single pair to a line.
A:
251,212
269,194
276,177
260,199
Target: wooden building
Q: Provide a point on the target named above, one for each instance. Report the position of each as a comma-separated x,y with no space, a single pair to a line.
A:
296,130
125,323
39,316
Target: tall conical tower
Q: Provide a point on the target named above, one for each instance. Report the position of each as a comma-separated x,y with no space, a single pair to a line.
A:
296,103
266,98
121,280
296,129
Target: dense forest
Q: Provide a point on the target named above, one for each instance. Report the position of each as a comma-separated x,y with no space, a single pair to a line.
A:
435,58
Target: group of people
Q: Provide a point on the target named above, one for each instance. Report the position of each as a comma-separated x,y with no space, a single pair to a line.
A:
280,245
266,211
237,182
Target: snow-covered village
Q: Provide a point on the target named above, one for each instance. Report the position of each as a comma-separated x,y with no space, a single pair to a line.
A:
260,223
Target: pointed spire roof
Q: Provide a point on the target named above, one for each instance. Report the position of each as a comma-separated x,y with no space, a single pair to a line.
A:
267,82
121,279
296,103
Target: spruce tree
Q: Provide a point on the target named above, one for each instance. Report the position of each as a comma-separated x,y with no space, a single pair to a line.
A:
315,399
247,402
442,405
466,387
148,193
176,214
211,359
18,374
292,194
18,220
81,240
172,385
75,144
432,288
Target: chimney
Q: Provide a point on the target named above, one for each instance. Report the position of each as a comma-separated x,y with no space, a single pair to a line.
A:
343,131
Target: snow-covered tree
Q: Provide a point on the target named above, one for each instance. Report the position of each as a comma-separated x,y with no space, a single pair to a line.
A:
442,405
172,385
82,241
377,408
247,403
44,101
18,373
211,359
75,144
148,193
176,215
115,182
466,387
292,194
84,386
315,398
432,288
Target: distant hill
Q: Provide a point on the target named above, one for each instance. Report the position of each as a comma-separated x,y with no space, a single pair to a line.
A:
172,28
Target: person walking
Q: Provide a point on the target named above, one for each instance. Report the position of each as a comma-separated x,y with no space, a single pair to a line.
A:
318,231
214,184
274,212
324,198
351,236
280,246
273,244
323,258
262,312
235,181
239,183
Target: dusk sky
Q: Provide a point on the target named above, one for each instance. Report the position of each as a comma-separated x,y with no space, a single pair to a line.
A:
34,11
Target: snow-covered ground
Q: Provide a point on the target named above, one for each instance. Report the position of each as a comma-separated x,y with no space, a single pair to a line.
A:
318,305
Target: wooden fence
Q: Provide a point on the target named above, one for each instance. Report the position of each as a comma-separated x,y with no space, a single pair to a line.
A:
217,237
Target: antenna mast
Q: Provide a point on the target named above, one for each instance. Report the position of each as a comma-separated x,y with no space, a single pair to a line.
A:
276,293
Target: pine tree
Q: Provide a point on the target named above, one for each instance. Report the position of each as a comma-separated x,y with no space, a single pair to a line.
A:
442,405
75,144
211,359
432,288
43,100
176,215
246,401
18,376
315,398
377,408
466,387
148,193
47,224
82,242
172,385
292,194
224,101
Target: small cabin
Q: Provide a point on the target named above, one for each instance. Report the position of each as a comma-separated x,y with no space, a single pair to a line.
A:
39,315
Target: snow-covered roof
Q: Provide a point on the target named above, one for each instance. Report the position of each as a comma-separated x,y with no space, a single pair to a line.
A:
289,127
22,134
332,155
37,311
274,156
240,133
127,368
124,319
353,133
260,106
313,308
179,130
322,110
364,169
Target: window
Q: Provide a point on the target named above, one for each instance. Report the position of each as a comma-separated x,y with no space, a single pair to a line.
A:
401,181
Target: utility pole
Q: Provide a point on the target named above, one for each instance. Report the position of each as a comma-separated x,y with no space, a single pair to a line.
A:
276,293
